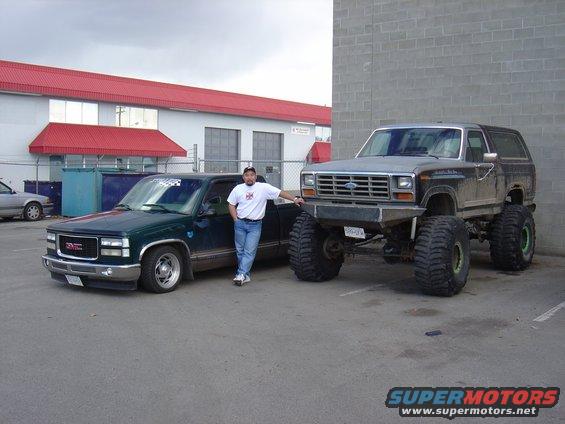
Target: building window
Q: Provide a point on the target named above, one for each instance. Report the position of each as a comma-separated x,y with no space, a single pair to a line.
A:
136,117
323,134
73,112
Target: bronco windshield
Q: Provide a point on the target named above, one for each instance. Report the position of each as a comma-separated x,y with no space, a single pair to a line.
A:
163,194
436,142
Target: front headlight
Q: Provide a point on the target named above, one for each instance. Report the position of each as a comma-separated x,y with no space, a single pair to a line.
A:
404,182
112,242
51,241
308,180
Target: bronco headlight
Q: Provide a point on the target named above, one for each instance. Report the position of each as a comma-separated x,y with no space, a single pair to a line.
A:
308,180
51,237
404,182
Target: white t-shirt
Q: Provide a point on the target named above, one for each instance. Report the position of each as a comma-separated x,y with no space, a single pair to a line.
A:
251,201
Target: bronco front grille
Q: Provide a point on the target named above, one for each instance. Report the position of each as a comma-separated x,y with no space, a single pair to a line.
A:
78,247
369,187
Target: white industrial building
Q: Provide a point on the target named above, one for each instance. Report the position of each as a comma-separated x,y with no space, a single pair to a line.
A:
52,116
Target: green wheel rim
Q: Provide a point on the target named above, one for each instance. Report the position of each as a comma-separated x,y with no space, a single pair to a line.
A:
526,238
457,258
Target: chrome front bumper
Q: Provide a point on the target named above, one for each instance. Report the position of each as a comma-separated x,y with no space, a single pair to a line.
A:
94,271
365,216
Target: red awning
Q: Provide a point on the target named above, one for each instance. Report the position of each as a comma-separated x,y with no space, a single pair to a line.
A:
321,151
73,139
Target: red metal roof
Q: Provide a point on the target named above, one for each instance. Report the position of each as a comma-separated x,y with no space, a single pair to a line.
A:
77,139
321,151
57,82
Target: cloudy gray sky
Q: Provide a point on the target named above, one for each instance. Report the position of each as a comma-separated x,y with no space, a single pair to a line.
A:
272,48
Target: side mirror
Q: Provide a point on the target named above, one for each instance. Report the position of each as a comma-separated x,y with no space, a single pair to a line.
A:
207,213
490,157
216,200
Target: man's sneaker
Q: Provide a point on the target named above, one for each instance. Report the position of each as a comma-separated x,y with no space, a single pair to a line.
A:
247,279
238,280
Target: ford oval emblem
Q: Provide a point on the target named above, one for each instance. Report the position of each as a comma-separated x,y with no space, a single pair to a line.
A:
350,185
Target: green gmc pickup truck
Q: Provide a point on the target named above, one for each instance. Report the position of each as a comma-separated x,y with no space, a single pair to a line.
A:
166,228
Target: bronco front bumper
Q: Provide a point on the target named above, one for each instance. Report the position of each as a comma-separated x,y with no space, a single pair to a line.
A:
94,275
365,216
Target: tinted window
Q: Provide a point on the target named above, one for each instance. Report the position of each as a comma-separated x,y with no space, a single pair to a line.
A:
176,194
219,190
508,145
476,146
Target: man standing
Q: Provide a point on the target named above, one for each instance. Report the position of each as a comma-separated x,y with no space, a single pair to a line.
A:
247,204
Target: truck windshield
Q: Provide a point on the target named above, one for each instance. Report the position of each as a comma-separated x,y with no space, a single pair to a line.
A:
162,194
437,142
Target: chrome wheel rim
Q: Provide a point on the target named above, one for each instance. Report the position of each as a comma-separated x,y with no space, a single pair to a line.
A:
33,212
167,270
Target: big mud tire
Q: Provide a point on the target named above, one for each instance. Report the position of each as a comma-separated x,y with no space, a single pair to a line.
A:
513,238
442,260
315,254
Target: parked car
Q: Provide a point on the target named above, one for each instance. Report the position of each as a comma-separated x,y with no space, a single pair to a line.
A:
30,206
165,229
427,189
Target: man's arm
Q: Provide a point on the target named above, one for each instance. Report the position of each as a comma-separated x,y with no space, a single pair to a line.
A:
297,200
233,211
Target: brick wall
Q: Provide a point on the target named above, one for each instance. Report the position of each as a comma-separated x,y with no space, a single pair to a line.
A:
499,62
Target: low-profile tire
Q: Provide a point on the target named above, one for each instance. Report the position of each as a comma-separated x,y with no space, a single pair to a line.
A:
442,260
161,269
513,238
315,254
33,212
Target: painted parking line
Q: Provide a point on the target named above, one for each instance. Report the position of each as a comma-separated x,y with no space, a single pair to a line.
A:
546,315
26,250
362,290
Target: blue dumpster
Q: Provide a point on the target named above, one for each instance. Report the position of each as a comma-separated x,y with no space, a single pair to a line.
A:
91,190
115,186
51,189
82,190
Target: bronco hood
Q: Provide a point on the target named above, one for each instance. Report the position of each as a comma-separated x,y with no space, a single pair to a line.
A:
117,222
380,164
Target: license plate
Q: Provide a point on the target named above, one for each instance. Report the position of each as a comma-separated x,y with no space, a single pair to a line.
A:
354,232
74,280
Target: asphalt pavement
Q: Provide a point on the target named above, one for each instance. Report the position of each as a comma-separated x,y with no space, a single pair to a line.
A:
274,351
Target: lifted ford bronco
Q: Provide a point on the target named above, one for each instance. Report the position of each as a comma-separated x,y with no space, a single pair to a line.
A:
427,189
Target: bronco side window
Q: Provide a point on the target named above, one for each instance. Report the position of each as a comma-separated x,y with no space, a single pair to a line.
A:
508,145
476,147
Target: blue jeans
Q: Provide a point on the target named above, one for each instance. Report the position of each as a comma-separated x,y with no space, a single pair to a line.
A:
247,235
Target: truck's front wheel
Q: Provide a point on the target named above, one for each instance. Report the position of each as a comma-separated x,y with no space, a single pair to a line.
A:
161,269
442,256
315,254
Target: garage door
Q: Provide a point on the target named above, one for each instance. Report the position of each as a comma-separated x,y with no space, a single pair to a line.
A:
221,144
267,147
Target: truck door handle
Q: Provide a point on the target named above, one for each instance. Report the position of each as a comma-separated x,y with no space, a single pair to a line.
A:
480,165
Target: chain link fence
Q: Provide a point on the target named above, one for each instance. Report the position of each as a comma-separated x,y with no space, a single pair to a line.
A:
284,174
280,173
